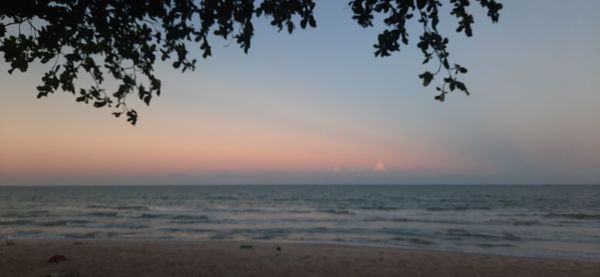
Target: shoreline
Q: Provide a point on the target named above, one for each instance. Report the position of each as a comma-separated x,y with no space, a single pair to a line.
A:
3,241
130,257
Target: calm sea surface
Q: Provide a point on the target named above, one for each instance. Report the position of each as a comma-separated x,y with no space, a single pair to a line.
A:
538,221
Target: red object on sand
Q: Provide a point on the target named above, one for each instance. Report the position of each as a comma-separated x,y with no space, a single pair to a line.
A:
57,258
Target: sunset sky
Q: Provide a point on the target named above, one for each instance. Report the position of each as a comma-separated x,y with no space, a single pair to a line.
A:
316,107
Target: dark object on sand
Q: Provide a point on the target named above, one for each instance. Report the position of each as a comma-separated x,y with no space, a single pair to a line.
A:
278,248
246,246
57,259
9,242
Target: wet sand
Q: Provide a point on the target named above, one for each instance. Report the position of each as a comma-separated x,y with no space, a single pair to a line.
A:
214,258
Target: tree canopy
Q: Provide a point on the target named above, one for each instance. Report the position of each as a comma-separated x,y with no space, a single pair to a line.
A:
123,39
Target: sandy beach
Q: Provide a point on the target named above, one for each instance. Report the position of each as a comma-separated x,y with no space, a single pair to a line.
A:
208,258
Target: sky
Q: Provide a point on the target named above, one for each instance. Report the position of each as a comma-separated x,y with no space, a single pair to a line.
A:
316,107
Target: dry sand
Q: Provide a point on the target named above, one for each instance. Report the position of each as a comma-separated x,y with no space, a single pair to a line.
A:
197,258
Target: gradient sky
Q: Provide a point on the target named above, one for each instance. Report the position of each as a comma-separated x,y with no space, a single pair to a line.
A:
317,107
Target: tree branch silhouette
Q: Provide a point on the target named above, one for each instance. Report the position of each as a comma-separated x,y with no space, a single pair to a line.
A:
100,36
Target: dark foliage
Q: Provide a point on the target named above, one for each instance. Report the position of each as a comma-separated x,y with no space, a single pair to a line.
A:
123,39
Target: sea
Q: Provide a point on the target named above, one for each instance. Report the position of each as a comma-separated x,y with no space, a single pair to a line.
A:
544,221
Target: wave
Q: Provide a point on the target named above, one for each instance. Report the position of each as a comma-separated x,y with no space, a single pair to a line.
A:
99,235
190,219
17,222
298,211
34,213
335,211
456,208
457,233
101,214
270,234
517,222
132,207
490,245
28,232
379,208
88,235
316,230
185,230
580,216
114,235
414,240
175,216
415,220
52,223
126,226
98,206
220,197
121,234
148,215
119,207
419,220
399,232
459,221
66,222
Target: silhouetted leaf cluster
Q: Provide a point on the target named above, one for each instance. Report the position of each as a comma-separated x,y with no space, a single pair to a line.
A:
122,39
433,45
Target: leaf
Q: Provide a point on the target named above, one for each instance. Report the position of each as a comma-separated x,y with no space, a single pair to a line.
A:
147,99
461,86
468,31
132,117
312,22
303,23
427,77
100,104
440,97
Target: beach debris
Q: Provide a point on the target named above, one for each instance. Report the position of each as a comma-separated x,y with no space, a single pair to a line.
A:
246,246
278,248
57,258
10,242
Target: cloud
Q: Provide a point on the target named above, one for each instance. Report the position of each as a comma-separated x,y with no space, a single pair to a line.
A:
379,167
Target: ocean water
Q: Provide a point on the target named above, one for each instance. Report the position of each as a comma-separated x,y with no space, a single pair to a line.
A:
536,221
